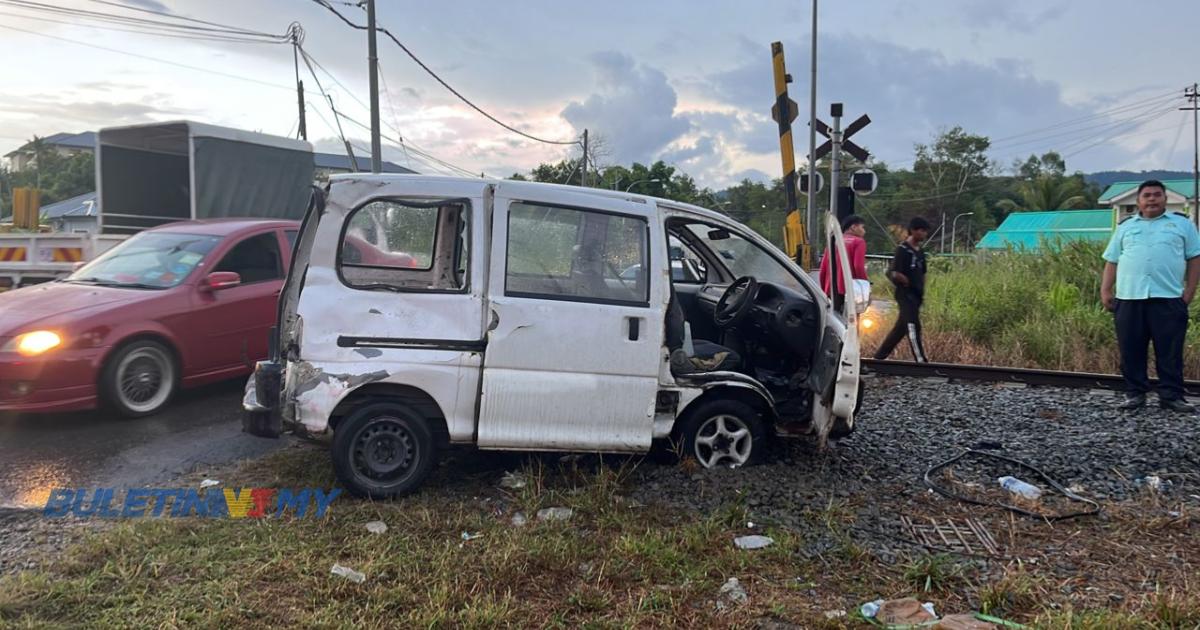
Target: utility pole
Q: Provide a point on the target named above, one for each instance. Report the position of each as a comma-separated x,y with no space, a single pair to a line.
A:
1194,96
583,173
942,227
373,63
811,214
835,157
303,129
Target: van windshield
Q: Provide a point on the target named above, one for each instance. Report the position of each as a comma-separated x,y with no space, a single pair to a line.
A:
744,257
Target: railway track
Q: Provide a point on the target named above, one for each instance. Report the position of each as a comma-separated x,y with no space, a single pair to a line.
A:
1026,376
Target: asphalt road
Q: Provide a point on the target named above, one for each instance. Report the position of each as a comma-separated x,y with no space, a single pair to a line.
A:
99,449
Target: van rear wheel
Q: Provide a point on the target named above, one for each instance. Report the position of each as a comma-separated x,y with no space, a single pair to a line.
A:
383,450
724,433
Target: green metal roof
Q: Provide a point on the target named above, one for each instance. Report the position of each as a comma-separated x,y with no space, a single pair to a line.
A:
1029,230
1183,187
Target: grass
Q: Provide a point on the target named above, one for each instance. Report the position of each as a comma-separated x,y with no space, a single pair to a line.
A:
1023,310
614,564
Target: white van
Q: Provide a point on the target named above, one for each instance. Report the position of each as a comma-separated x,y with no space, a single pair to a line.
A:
421,312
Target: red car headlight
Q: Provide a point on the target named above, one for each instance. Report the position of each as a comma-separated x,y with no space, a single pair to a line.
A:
32,344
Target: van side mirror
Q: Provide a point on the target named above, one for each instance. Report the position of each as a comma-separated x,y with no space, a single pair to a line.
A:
218,280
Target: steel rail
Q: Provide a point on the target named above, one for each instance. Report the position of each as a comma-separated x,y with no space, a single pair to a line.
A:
1026,376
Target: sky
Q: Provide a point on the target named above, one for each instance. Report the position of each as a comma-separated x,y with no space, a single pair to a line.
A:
689,83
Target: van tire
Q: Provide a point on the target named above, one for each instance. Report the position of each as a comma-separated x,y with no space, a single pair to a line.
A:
383,450
708,434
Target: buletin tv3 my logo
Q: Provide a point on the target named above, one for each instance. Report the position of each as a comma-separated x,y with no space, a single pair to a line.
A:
185,502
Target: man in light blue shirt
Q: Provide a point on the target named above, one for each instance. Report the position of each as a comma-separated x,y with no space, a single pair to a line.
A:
1153,260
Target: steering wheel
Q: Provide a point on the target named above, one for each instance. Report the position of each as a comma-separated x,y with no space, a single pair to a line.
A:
735,303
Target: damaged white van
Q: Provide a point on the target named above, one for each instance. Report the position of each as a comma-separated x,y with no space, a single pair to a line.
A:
421,312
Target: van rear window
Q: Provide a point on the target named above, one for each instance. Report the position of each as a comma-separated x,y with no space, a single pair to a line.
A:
393,244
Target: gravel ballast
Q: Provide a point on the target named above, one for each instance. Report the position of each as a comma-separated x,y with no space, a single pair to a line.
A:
906,425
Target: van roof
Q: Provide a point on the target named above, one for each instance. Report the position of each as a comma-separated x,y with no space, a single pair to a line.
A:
599,192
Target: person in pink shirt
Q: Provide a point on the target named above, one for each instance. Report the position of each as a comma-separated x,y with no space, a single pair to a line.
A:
854,228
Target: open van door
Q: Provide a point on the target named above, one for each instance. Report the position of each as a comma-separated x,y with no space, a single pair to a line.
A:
834,414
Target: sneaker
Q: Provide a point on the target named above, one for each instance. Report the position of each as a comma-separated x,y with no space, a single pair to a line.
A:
1177,404
1132,402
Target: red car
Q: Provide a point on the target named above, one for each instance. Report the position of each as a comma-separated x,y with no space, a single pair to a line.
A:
176,306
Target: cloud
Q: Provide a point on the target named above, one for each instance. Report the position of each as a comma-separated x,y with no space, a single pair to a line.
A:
633,107
90,113
988,14
153,5
909,93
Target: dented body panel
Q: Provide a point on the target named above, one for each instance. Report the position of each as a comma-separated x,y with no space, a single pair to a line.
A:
348,338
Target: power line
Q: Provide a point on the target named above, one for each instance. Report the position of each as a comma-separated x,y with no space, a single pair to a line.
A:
125,20
179,17
145,31
1094,115
290,88
307,62
399,141
428,70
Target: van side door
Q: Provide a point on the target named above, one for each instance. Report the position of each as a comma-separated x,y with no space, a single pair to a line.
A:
575,339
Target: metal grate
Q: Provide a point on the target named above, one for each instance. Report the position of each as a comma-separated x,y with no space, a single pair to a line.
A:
967,535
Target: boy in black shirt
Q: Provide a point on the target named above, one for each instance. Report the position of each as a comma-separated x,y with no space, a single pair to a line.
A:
907,273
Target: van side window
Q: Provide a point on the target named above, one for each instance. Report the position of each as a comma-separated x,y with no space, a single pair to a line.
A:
397,245
580,255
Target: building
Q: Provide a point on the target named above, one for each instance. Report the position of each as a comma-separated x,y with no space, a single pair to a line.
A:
68,144
1122,196
77,214
1031,231
65,144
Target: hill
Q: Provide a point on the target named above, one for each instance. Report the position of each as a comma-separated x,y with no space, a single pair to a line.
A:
1104,178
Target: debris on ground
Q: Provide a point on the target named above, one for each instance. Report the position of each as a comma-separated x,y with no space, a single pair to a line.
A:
208,483
519,519
731,593
555,514
753,542
1020,488
348,573
468,536
377,527
1153,482
513,481
907,611
834,614
963,622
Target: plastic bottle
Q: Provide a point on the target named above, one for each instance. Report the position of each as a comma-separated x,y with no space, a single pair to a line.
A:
1020,488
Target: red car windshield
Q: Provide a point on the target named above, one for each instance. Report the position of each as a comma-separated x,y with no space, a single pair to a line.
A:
150,260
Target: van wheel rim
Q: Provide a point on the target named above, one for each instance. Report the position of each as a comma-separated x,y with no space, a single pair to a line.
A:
384,450
144,379
723,440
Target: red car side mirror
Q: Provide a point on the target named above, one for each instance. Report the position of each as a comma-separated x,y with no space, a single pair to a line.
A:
218,280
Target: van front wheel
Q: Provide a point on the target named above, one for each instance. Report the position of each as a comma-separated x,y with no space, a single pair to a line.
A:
724,433
383,450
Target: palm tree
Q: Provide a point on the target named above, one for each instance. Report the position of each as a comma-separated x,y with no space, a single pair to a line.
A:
1047,192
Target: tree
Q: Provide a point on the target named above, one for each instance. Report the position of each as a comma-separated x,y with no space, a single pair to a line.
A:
57,176
1046,192
1051,163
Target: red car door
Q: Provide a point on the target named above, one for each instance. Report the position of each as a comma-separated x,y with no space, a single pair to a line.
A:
228,327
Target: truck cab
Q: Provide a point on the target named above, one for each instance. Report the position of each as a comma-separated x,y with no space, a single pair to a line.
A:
526,316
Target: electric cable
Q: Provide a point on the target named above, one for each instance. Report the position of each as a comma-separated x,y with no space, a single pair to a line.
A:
428,70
